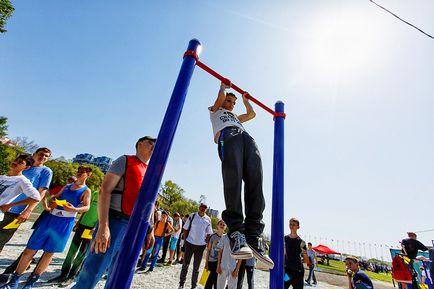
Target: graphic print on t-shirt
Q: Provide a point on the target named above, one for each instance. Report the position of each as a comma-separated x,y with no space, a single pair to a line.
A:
3,186
229,116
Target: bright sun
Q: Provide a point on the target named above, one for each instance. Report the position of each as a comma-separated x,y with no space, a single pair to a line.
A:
340,44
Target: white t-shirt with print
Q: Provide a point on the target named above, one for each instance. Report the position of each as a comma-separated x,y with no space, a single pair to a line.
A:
223,118
12,186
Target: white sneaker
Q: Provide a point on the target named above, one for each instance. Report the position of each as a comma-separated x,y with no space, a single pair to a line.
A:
264,262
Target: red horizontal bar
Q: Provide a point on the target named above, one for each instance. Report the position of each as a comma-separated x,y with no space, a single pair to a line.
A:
232,85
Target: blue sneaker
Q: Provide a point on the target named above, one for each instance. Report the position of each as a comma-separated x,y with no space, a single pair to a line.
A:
31,281
13,283
239,248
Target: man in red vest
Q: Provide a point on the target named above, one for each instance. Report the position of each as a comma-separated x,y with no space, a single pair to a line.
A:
117,197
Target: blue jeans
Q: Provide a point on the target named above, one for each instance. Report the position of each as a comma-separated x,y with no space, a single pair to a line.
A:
95,265
311,274
157,247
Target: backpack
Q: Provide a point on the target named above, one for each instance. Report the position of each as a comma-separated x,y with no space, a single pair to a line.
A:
400,271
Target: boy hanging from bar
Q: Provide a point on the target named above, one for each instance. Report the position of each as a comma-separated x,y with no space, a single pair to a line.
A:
241,161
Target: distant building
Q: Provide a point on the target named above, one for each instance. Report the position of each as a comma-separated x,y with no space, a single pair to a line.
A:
102,162
83,159
214,213
8,142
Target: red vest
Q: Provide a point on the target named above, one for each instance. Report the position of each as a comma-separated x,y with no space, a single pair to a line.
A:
134,173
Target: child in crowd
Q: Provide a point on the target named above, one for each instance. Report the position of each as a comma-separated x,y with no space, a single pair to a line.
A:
52,232
80,242
295,253
312,261
177,226
247,266
13,184
180,257
212,252
162,229
227,266
356,277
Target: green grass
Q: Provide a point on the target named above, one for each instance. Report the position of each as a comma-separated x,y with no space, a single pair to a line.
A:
339,267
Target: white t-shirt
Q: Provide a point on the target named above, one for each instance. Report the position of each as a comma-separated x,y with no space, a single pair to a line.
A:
12,186
200,227
177,227
227,262
223,118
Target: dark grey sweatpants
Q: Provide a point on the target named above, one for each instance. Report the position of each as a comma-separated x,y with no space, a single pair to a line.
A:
241,161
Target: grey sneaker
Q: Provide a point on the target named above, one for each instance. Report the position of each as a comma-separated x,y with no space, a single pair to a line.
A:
239,248
263,261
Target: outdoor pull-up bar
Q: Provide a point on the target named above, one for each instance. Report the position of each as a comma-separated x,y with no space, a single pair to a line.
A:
232,85
124,265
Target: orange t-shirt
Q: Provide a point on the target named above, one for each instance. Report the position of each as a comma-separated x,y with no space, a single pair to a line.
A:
159,228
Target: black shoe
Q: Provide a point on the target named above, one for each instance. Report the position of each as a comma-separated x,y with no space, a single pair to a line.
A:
31,281
239,248
5,278
58,279
264,261
160,261
141,269
314,283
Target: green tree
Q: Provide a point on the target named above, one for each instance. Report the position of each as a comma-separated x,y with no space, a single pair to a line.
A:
95,180
7,155
28,146
63,170
183,206
170,193
6,10
3,125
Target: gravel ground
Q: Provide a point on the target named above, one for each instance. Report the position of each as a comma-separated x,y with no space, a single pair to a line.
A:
162,277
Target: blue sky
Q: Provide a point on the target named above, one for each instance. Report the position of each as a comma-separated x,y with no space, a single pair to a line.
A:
93,76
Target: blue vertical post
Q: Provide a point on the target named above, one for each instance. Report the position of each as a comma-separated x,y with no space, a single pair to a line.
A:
276,248
125,263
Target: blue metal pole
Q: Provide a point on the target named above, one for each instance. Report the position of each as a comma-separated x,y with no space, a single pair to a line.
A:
276,248
125,263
